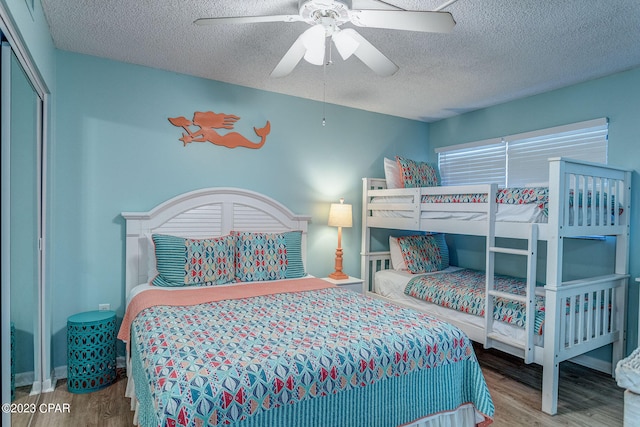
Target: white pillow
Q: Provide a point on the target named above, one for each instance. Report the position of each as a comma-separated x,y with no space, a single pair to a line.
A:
392,174
150,248
537,184
397,260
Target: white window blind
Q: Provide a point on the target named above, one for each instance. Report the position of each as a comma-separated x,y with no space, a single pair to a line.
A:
522,159
482,163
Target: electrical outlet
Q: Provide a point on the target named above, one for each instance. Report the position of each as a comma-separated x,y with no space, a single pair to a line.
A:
104,307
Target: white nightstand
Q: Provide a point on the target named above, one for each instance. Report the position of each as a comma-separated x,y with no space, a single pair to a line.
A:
352,283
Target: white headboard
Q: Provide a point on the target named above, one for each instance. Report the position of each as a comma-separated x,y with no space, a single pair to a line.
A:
209,212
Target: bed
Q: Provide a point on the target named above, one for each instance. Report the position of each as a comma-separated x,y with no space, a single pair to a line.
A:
273,346
580,199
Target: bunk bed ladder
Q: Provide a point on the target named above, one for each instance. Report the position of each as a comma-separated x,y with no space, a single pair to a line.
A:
491,338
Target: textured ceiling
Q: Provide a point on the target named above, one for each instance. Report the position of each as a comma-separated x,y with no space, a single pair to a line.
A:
499,50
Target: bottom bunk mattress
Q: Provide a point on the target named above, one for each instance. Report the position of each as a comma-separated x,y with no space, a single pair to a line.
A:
458,295
391,284
297,352
463,290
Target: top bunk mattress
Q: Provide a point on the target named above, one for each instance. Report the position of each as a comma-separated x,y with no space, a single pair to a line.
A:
518,204
513,205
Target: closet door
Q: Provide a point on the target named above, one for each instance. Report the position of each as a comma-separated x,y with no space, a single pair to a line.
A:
21,218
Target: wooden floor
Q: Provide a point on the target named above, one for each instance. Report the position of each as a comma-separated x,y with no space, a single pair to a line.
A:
587,398
107,407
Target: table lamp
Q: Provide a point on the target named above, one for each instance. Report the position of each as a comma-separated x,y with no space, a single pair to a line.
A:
339,216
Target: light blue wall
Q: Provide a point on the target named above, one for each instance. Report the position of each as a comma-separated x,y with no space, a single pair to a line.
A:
616,97
116,151
34,33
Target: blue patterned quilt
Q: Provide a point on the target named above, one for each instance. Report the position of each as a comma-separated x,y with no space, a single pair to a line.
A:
464,290
323,357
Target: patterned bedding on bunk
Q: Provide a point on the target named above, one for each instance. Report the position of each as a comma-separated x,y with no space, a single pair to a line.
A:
282,359
519,196
464,291
510,196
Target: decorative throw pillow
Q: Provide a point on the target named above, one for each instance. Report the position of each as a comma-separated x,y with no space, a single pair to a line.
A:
194,262
295,266
268,256
417,174
392,174
397,261
424,253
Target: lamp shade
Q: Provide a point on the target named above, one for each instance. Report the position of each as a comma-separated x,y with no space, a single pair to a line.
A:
345,44
340,215
314,40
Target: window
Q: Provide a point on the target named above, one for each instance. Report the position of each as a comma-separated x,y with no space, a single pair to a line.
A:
521,159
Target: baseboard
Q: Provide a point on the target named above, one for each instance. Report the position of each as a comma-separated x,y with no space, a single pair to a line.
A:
593,363
28,378
60,372
24,378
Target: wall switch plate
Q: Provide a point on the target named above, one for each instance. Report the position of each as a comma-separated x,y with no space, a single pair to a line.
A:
104,307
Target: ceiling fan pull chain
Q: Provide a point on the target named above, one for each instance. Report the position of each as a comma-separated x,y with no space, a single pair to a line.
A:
324,93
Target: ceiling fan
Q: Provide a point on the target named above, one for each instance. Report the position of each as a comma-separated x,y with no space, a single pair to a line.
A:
326,17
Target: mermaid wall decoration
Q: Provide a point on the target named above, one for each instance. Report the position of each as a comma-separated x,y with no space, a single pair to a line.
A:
209,121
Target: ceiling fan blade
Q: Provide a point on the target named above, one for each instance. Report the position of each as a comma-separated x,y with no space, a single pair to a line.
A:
290,59
370,55
373,4
408,20
247,19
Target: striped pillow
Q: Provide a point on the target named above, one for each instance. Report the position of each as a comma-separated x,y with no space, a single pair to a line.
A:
295,267
194,262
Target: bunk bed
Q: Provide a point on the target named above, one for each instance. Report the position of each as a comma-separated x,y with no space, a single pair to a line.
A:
581,199
249,347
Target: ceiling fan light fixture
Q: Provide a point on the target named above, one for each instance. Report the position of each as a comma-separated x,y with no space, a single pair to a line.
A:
314,40
345,44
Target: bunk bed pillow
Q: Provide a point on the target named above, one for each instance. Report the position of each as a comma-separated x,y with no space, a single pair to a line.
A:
392,174
268,256
397,261
193,262
415,174
424,253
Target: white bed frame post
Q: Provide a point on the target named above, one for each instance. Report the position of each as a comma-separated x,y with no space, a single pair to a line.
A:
366,274
532,278
490,258
555,249
622,267
370,262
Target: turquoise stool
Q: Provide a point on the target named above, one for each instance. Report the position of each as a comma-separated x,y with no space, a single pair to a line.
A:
91,351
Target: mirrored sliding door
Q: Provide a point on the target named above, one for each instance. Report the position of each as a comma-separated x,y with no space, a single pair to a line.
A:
21,221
